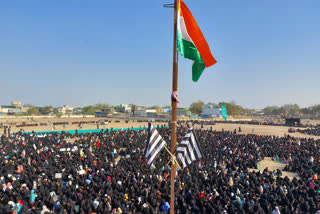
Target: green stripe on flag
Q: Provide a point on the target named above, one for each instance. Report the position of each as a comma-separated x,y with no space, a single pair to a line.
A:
197,69
189,50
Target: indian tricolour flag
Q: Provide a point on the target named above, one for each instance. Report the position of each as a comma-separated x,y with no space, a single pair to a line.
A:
191,42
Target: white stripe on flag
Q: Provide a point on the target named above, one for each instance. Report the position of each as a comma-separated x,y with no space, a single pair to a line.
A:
157,151
148,147
195,145
154,144
187,135
182,160
187,143
182,149
182,29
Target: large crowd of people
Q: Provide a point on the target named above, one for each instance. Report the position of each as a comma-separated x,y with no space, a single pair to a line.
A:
106,172
311,131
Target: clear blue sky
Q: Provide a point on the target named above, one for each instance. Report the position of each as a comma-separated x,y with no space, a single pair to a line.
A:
81,52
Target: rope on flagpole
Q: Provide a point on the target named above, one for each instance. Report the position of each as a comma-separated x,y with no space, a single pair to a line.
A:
175,122
173,158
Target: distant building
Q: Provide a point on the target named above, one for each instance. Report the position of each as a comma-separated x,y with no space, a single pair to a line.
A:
103,113
124,108
183,112
140,113
208,111
24,109
98,114
17,104
166,110
10,110
77,111
134,108
65,110
3,111
159,110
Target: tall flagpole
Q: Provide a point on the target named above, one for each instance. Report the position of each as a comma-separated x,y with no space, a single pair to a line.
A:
174,107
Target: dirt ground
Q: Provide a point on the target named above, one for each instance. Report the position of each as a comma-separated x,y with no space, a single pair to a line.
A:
113,124
246,129
273,165
259,130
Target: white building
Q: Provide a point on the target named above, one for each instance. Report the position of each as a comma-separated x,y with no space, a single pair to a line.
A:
209,111
65,109
3,110
9,110
124,108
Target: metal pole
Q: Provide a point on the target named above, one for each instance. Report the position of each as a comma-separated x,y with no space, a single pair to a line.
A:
174,107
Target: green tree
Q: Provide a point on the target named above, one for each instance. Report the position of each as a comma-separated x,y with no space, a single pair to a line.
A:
214,105
69,112
55,111
282,111
232,108
245,110
100,106
47,110
183,108
116,108
154,107
108,108
306,111
89,110
196,107
291,109
271,110
33,111
315,110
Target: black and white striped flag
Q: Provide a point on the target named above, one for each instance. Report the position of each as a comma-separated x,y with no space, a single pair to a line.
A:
155,144
188,149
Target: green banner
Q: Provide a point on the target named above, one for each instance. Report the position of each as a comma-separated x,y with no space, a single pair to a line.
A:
93,130
224,112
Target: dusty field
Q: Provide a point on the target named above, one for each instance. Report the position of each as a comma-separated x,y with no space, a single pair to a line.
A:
273,165
246,129
113,124
259,130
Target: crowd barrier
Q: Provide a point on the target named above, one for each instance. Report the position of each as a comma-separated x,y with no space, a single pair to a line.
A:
92,130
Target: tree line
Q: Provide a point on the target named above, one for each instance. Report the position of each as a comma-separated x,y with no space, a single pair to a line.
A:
232,107
288,110
292,110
